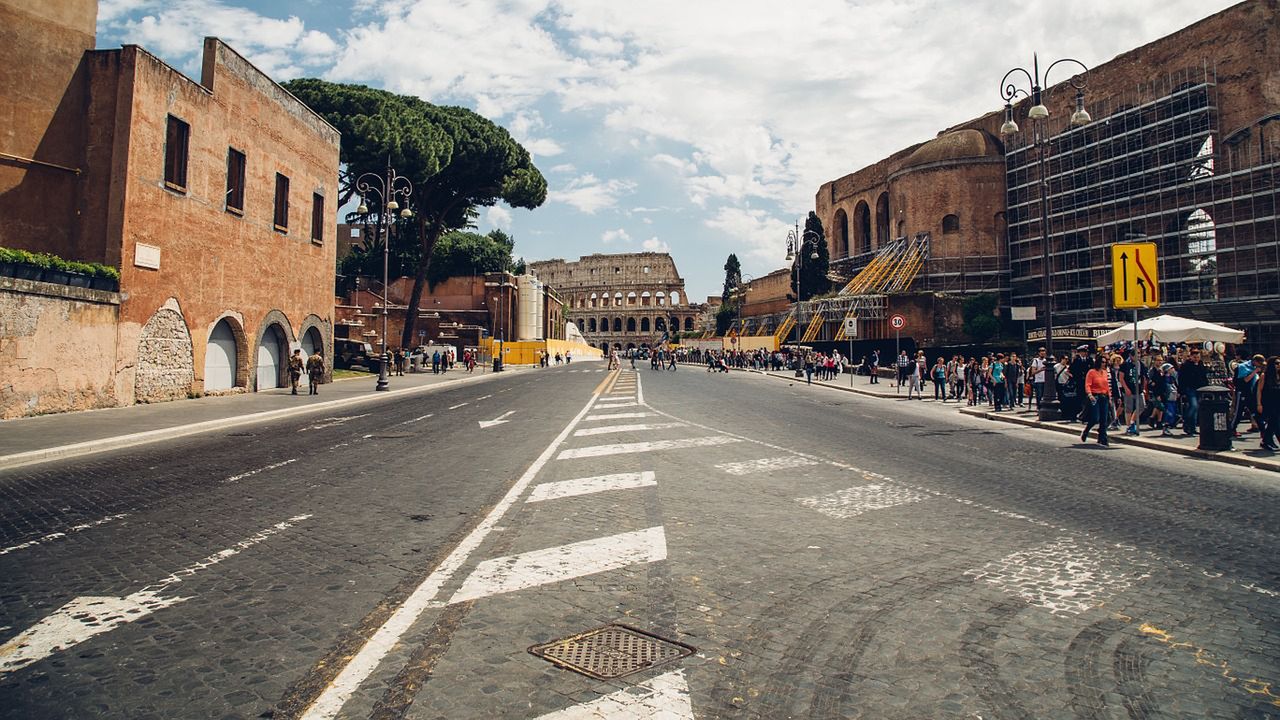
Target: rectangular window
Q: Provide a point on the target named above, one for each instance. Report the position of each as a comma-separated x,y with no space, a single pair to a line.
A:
235,181
177,135
317,218
281,216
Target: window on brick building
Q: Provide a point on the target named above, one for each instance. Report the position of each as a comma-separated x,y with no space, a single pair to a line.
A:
317,218
281,216
176,137
951,224
235,181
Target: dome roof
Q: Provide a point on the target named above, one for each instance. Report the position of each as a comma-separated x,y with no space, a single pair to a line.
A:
954,145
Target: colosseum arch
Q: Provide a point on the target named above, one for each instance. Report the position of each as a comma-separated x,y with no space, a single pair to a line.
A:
617,299
840,235
631,324
675,298
882,220
591,324
631,299
862,227
659,324
166,364
662,298
688,323
617,324
644,324
604,324
646,298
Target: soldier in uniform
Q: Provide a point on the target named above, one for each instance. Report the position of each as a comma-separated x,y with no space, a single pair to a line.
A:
315,372
295,370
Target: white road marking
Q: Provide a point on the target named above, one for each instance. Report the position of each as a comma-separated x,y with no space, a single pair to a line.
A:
665,697
483,397
330,702
418,419
455,407
551,565
496,421
588,485
332,422
651,446
619,416
747,467
612,404
60,535
251,473
1066,576
85,617
638,427
854,501
639,391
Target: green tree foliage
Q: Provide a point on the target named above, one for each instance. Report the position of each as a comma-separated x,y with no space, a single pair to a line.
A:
813,271
467,253
732,278
980,322
725,316
457,161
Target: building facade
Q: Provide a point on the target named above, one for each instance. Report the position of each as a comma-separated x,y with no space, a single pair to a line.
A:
623,301
216,199
1182,151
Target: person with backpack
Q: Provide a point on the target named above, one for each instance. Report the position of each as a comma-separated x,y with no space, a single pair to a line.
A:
998,387
1247,375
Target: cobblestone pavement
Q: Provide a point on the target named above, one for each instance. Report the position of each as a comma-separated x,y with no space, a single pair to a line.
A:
825,557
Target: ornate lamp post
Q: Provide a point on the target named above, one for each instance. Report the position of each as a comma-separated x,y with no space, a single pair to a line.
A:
796,244
385,190
1050,409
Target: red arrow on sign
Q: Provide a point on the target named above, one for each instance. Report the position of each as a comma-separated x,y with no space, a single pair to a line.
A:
1137,260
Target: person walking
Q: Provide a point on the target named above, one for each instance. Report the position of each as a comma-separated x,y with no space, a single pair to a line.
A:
875,368
1192,376
1131,388
1097,387
940,380
915,381
315,372
1247,374
1268,403
1038,366
1080,366
671,358
295,370
998,385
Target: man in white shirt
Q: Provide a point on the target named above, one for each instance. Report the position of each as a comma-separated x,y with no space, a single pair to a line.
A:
1038,365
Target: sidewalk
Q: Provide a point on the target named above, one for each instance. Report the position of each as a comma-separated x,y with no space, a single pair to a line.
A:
34,439
1245,450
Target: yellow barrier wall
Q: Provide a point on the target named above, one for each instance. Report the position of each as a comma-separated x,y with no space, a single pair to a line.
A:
526,352
753,342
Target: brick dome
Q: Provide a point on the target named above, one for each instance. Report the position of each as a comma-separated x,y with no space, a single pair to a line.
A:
954,145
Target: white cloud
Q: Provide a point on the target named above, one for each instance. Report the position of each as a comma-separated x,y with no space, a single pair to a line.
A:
759,238
317,44
563,168
523,128
589,194
498,217
684,167
611,236
653,244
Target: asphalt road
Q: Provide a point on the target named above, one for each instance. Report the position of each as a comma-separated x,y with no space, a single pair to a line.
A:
817,554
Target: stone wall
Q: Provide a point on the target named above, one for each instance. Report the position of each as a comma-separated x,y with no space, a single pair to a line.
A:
165,369
56,348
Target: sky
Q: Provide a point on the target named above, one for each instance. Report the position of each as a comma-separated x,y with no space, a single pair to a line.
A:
695,127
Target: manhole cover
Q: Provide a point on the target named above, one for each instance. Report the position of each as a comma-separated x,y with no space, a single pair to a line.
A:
611,651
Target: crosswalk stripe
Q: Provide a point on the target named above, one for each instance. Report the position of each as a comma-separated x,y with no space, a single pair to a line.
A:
859,499
638,427
565,562
622,448
665,697
747,467
615,404
588,485
619,416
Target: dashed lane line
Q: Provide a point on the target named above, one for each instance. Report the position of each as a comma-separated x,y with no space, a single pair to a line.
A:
640,447
589,485
62,534
747,467
251,473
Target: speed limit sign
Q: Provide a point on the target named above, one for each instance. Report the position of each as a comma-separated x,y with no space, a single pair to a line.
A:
898,322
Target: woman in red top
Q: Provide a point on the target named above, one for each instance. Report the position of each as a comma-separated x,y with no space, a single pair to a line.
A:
1097,390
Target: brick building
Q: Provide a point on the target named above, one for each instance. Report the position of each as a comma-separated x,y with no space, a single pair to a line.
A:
1183,150
622,301
216,199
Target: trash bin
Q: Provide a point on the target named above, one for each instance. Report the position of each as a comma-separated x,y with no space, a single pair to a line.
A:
497,364
1215,418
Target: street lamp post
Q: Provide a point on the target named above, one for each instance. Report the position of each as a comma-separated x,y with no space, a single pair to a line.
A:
796,243
1050,408
385,190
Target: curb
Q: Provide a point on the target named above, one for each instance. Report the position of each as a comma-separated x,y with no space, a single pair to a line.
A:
1223,457
90,447
1219,456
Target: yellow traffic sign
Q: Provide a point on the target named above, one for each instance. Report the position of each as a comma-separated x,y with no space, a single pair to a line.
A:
1135,275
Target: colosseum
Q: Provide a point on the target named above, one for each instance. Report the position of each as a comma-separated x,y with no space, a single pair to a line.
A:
621,302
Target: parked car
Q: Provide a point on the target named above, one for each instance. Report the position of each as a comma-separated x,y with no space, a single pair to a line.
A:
347,353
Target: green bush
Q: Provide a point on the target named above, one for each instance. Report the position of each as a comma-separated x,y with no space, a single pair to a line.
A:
49,261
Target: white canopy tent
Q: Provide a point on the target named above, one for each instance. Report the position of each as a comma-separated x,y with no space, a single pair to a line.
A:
1173,329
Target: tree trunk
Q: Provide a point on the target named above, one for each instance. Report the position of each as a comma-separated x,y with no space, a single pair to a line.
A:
430,237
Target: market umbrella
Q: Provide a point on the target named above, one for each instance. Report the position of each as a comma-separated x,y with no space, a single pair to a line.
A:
1173,329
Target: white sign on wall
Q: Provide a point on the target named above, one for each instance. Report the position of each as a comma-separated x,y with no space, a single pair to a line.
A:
1023,312
146,256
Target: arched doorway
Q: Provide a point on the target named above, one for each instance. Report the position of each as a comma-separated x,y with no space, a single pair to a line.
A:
882,220
840,243
862,227
221,356
311,343
273,348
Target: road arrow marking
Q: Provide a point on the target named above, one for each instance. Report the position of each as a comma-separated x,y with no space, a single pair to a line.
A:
85,617
496,421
